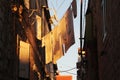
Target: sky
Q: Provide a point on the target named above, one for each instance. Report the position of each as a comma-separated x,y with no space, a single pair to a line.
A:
69,60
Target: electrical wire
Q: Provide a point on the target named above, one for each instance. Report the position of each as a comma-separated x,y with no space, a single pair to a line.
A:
68,69
52,5
71,73
60,5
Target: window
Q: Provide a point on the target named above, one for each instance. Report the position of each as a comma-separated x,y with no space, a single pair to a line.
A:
103,5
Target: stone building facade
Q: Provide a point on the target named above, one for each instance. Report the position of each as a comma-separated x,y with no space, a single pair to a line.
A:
12,31
104,63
